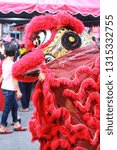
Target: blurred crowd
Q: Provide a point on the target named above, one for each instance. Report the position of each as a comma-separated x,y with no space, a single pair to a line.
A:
25,88
8,39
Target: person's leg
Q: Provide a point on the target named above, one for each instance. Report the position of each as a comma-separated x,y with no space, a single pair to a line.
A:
7,108
16,124
23,99
14,110
28,88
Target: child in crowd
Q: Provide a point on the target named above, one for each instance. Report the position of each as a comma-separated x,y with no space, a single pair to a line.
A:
10,90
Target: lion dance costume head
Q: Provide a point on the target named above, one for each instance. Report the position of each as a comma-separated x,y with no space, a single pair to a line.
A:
66,114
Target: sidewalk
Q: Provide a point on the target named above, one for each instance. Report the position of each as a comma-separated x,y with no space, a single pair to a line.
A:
19,140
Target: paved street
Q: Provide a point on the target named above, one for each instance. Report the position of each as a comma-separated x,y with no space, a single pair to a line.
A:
19,140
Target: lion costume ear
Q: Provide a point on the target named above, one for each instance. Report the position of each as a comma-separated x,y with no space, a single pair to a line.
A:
67,20
39,23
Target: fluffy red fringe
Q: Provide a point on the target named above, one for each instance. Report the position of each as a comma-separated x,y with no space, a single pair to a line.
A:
66,112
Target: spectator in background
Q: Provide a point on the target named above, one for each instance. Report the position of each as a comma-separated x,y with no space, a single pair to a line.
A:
10,90
2,54
25,87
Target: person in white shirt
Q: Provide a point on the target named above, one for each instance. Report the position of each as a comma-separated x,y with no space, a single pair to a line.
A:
10,90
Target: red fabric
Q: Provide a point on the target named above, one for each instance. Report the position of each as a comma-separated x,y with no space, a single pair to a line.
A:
67,109
69,62
83,7
2,101
0,67
1,95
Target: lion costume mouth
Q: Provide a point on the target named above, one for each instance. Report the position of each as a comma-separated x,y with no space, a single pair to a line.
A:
32,72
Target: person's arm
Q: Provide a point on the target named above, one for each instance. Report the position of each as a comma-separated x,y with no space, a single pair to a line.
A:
41,76
18,92
1,78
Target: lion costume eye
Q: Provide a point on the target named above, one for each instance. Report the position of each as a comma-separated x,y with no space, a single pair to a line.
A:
41,37
49,57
